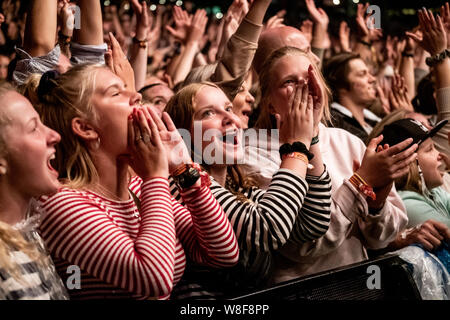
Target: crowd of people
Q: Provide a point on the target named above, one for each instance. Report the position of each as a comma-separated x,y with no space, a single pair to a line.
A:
168,154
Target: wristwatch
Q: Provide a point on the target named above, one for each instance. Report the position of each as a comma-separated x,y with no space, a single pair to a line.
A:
432,61
188,176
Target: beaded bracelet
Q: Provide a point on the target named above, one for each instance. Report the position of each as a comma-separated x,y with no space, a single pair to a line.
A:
362,186
299,156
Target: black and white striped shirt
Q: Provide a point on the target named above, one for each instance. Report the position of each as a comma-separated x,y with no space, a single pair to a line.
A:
34,281
291,208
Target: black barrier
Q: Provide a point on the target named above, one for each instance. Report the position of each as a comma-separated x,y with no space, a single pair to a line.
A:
353,282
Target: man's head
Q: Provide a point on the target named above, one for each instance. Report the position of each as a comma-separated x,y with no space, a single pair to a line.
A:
156,94
276,38
349,78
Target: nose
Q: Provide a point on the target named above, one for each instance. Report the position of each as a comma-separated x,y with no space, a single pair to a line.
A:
53,137
372,79
135,98
249,98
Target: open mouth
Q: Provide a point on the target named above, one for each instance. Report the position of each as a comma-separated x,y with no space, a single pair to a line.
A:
231,137
49,165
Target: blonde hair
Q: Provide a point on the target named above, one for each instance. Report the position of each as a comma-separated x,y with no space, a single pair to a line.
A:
70,97
265,79
181,108
411,181
10,238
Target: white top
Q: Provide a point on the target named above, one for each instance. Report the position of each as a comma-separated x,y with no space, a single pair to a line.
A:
352,229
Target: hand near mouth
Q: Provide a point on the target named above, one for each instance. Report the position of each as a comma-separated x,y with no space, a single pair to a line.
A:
316,93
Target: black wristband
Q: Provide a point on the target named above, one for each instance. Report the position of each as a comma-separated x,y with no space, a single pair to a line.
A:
187,179
408,55
368,44
295,147
438,58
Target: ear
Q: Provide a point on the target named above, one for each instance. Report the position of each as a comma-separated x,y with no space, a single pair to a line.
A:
3,166
84,130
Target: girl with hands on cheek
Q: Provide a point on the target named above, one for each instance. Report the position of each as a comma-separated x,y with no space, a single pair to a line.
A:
148,155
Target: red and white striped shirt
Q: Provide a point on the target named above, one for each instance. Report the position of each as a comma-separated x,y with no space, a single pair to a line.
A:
124,253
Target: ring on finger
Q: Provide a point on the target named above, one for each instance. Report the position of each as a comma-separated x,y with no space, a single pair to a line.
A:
138,139
146,138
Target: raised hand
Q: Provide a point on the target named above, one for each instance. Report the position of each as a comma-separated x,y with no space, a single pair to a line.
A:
142,19
274,22
148,155
318,15
198,27
445,14
298,123
398,97
434,38
182,22
119,64
307,29
66,18
380,167
344,37
362,20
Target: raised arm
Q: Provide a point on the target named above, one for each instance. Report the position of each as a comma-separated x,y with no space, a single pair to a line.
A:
237,58
321,21
40,33
365,35
192,46
434,41
91,31
138,57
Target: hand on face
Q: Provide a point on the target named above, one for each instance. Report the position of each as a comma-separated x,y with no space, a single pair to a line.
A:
317,96
176,150
298,122
148,154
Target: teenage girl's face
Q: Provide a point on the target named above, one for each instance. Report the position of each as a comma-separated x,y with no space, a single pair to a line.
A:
287,74
30,146
219,127
429,161
113,103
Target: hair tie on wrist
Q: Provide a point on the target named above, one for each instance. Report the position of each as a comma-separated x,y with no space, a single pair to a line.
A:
295,147
315,140
47,83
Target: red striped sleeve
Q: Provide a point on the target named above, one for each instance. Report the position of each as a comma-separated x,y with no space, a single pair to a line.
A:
79,229
204,230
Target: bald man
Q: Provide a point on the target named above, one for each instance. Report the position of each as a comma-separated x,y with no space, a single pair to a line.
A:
275,38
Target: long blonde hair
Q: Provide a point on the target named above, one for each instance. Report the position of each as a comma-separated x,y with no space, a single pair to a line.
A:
265,79
70,97
10,238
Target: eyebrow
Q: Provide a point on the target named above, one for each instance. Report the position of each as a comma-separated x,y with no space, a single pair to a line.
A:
116,85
